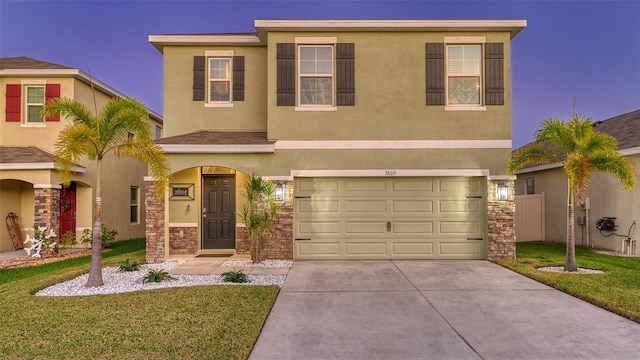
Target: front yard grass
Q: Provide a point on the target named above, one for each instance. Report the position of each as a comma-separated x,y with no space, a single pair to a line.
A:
203,322
617,290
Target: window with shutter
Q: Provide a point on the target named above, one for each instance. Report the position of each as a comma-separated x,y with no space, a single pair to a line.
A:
460,77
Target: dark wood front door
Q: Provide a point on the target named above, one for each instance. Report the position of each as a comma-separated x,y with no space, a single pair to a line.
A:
218,212
68,210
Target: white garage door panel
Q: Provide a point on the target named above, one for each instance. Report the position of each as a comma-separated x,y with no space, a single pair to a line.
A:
317,249
390,218
366,250
400,248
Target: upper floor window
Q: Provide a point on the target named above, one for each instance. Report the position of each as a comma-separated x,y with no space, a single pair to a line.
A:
158,132
463,75
219,79
316,75
25,101
34,104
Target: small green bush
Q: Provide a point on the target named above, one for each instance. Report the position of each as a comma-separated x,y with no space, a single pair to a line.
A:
157,275
108,236
235,276
128,265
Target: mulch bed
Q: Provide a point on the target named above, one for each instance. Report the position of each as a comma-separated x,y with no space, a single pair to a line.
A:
31,261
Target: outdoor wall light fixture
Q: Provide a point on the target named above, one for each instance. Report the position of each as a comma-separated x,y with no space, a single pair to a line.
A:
502,191
278,192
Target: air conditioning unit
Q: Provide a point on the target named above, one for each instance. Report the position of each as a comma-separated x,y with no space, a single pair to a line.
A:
606,224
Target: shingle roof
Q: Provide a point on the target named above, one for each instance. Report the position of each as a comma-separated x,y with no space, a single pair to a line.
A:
218,138
24,155
23,62
625,128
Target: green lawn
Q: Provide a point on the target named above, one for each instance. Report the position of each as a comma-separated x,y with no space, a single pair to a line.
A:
618,290
203,322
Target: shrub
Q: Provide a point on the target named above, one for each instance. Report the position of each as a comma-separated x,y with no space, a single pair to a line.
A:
235,276
108,236
128,265
42,243
157,275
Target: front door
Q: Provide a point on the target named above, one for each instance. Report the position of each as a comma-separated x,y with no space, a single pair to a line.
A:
218,212
68,210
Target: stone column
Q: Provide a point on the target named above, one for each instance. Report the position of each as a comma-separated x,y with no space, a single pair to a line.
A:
501,222
47,206
154,228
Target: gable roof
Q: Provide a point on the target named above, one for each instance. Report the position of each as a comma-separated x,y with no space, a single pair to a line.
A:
625,128
23,62
30,158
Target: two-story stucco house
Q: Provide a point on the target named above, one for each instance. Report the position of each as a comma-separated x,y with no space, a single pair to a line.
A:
387,139
30,184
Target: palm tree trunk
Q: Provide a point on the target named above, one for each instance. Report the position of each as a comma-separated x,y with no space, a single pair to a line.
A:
571,241
95,272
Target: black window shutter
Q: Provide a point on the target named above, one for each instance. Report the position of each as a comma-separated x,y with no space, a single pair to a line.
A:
345,74
238,78
198,78
494,74
286,63
435,74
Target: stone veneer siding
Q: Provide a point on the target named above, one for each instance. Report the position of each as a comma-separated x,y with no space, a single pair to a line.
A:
501,223
185,244
154,229
47,208
280,243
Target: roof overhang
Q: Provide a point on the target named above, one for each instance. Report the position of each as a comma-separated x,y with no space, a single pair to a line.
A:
39,166
512,26
218,149
160,41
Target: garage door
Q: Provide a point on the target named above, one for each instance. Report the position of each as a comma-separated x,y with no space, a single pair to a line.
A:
390,218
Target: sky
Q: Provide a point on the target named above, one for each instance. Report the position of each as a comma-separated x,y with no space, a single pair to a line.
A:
587,52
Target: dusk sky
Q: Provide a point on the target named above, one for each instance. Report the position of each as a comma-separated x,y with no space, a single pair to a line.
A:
587,50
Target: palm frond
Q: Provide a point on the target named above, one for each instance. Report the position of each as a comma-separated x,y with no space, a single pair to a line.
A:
620,166
578,168
74,141
153,156
73,110
556,134
532,154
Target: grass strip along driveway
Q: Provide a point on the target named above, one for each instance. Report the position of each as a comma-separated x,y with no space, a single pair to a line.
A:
617,290
204,322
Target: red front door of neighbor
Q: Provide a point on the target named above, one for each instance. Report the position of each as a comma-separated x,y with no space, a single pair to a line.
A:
68,210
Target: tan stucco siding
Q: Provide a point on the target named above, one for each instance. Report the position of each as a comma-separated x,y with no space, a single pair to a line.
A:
606,199
390,95
283,161
185,115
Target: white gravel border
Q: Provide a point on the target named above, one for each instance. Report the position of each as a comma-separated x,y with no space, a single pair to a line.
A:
560,269
116,282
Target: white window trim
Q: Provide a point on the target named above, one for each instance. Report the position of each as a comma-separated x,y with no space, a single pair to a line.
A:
316,107
464,40
219,54
25,88
316,40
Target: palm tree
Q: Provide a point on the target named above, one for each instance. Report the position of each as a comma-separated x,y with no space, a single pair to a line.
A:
120,128
257,213
581,150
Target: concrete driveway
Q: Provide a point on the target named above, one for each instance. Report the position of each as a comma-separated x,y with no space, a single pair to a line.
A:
434,310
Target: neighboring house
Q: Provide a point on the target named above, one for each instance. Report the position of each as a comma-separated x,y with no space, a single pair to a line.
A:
386,138
604,197
30,184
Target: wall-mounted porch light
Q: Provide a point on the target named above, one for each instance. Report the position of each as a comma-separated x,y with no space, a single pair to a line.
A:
278,192
502,191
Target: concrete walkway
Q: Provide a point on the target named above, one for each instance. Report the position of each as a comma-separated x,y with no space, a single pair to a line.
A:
434,310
